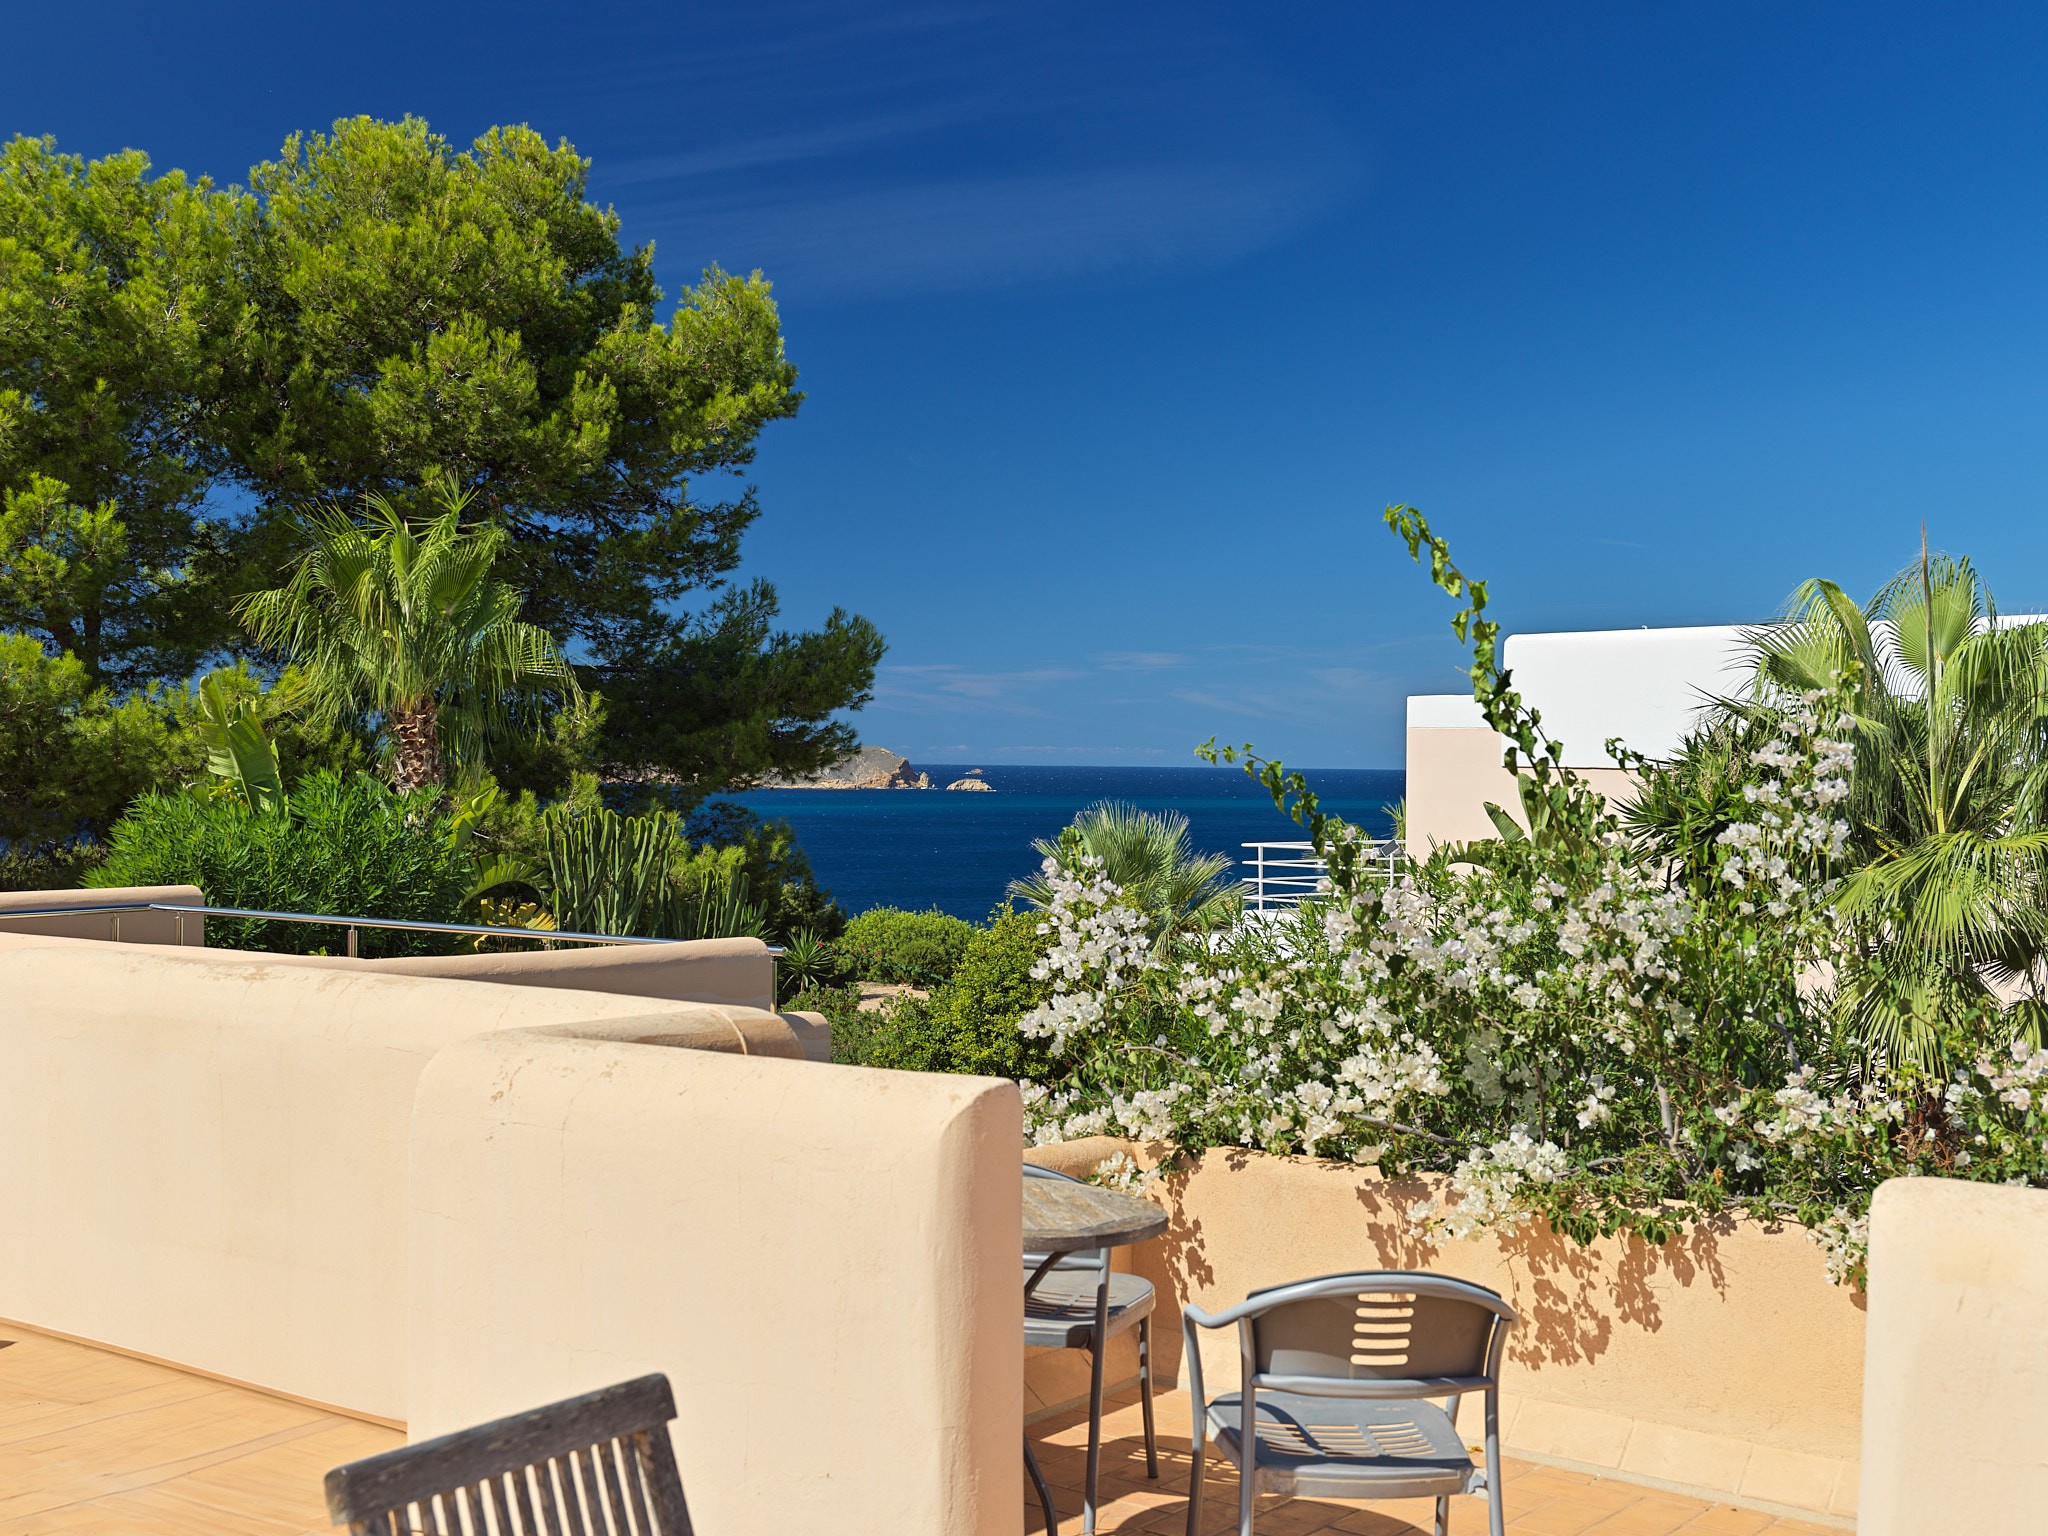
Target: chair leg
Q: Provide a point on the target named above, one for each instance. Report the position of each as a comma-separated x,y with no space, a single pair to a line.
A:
1247,1482
1195,1478
1052,1525
1098,1342
1443,1517
1496,1495
1094,1439
1145,1395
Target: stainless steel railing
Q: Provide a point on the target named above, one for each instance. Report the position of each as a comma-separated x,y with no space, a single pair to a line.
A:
181,911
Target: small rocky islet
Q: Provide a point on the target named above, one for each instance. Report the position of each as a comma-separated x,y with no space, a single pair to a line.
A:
875,768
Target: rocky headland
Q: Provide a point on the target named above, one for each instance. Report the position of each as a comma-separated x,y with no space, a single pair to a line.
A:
869,768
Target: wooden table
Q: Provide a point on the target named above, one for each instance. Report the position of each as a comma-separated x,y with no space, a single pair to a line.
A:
1062,1217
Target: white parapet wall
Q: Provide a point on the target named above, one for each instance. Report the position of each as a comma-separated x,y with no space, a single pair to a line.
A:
1955,1390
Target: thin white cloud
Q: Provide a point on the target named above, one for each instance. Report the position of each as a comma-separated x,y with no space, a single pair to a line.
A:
877,151
955,689
995,231
1141,661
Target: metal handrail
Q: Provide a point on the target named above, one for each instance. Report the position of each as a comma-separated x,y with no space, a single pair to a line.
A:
1273,888
182,910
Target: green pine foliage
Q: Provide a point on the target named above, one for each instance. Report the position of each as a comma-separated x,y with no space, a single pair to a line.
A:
71,755
371,312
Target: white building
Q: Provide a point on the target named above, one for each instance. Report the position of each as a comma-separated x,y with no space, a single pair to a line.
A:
1643,686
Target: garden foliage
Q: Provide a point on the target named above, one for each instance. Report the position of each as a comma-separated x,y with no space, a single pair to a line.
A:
969,1023
1562,1022
922,949
1152,861
184,367
342,844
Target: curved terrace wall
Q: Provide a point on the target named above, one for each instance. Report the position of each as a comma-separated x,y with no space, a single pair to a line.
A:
439,1201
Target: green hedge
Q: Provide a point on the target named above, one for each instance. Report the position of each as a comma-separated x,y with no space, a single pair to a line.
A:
970,1023
889,944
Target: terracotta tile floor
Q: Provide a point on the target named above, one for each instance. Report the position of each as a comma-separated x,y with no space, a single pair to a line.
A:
97,1444
1541,1501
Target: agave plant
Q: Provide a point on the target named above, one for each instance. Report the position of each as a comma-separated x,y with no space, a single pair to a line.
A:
1945,898
1148,855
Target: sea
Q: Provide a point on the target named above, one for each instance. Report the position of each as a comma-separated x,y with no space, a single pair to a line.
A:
957,851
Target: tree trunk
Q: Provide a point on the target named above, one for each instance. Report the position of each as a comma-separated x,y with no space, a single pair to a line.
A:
416,734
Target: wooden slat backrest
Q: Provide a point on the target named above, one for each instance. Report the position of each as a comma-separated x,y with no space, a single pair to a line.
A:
596,1465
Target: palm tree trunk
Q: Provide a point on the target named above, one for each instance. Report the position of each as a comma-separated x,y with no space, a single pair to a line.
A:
416,736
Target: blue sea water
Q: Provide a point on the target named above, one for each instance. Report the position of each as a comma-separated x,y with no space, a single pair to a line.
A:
959,851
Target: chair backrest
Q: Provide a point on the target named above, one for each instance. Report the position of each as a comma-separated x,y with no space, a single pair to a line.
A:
596,1465
1382,1325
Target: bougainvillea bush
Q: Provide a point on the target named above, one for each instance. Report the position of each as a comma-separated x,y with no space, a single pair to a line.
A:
1558,1022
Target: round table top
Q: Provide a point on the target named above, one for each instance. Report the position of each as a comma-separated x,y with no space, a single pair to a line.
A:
1061,1217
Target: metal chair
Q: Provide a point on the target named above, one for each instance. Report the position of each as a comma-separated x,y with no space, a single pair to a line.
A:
1338,1373
588,1466
1076,1301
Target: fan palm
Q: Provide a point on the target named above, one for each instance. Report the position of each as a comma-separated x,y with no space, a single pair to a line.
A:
1148,856
402,620
1946,899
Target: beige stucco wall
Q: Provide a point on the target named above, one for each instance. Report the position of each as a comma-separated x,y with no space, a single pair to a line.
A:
128,927
207,1162
1452,774
1723,1364
823,1260
1955,1401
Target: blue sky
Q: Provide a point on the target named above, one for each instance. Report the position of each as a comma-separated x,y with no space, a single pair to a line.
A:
1120,324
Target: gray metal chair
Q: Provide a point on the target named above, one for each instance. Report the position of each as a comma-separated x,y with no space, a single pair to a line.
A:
588,1466
1337,1374
1077,1301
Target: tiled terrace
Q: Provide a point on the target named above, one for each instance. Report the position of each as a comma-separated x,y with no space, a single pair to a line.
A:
1541,1501
94,1444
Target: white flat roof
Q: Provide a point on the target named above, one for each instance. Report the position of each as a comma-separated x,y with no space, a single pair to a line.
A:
1645,686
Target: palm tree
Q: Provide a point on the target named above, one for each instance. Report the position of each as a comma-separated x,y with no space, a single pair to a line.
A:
1946,897
403,621
1148,856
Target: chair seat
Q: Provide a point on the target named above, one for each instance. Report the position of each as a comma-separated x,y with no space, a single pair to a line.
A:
1334,1447
1060,1313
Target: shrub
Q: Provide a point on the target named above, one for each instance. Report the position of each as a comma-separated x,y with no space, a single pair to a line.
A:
348,846
1563,1024
921,948
970,1024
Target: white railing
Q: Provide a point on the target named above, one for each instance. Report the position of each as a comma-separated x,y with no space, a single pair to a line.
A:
1282,875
